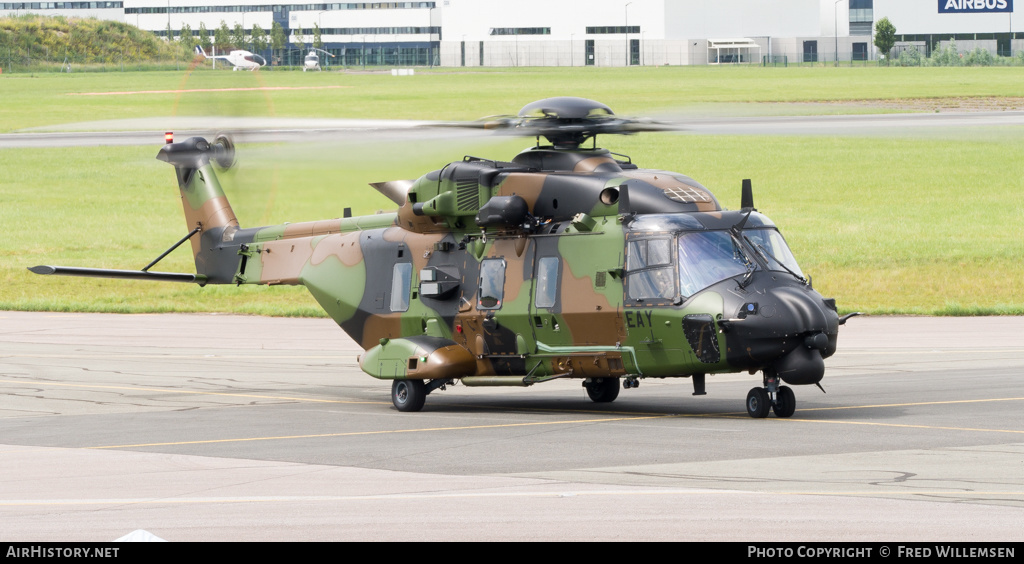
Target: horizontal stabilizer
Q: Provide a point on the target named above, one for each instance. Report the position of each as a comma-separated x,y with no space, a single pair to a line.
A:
122,274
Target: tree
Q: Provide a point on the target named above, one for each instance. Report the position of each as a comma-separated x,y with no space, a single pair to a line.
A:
885,36
318,41
188,42
277,38
222,37
238,36
259,38
204,36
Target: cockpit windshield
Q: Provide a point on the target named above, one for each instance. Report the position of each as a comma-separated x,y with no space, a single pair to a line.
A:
701,258
706,257
773,249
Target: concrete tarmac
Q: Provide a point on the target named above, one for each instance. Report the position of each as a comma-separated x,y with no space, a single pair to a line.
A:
234,428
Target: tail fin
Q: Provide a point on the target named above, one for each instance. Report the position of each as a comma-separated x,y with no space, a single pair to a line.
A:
205,204
217,244
201,51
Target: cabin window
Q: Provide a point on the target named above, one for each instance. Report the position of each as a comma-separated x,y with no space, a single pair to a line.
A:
492,284
650,273
547,282
401,283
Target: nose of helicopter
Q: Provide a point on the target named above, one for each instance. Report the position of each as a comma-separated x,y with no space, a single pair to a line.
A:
789,330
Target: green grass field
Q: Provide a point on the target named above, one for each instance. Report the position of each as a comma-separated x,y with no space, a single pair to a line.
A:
885,225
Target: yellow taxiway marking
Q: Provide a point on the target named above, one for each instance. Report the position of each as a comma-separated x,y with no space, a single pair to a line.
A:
912,404
906,426
623,416
179,391
507,494
391,432
541,423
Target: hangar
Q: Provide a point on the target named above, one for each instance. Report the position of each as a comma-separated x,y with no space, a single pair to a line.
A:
564,33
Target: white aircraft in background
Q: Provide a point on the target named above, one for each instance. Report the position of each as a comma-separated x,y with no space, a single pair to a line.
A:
313,60
240,59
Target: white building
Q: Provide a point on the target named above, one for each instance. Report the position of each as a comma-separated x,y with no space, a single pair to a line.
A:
565,33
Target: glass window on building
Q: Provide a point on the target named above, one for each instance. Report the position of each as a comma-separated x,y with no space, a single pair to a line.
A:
810,51
861,17
860,51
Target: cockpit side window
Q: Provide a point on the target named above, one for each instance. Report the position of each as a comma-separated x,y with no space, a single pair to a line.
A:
650,272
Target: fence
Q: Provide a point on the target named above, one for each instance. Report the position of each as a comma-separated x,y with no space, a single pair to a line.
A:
495,54
23,60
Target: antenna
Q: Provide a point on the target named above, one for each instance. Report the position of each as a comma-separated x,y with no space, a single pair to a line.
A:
747,196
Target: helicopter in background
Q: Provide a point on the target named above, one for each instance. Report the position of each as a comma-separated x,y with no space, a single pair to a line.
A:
239,58
312,61
564,262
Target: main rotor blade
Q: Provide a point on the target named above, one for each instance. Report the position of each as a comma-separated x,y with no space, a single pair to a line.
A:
150,131
854,124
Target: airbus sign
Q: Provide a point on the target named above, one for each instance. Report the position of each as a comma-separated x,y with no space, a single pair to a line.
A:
974,6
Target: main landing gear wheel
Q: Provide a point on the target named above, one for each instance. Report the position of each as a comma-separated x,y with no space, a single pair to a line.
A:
602,390
408,395
758,403
785,402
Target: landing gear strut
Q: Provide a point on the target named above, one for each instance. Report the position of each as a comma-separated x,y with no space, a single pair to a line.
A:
772,397
785,402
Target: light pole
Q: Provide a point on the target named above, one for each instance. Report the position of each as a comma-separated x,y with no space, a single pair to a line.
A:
430,34
571,61
170,33
835,27
626,9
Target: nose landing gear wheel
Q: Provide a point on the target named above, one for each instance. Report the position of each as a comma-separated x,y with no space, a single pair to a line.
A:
758,403
408,395
785,402
603,390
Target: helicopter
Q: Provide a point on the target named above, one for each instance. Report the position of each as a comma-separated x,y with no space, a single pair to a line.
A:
312,61
239,58
567,262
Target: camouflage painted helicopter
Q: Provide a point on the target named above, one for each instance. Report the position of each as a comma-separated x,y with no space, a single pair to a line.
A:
567,262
